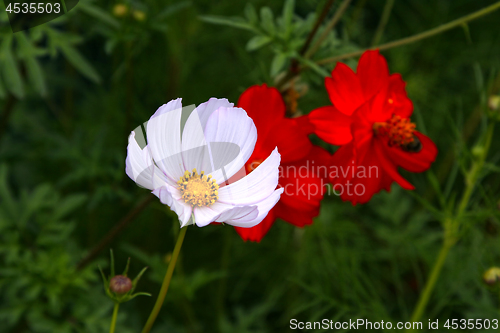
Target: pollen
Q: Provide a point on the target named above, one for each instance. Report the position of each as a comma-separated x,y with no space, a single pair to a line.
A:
198,189
399,130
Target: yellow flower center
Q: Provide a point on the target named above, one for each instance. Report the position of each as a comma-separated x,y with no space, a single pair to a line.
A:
198,189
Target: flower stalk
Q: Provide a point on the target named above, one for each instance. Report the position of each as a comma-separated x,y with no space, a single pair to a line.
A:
452,225
417,37
166,282
113,319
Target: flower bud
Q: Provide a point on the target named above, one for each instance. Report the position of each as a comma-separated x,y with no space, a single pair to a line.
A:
120,10
478,151
139,15
120,284
492,276
494,102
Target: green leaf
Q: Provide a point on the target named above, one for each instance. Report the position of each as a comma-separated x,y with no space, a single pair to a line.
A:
69,205
315,67
112,264
139,294
79,62
251,14
13,79
2,89
277,64
257,42
172,9
28,53
288,9
266,15
99,14
431,176
235,22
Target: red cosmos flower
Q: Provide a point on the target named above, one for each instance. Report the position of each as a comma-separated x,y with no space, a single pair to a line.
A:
300,160
370,118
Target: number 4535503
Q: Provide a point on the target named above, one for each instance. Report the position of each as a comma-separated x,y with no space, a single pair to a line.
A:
34,8
471,324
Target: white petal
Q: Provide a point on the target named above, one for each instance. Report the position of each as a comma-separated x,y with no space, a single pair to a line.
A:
206,215
263,208
169,196
164,139
140,168
205,110
242,213
195,153
231,135
254,187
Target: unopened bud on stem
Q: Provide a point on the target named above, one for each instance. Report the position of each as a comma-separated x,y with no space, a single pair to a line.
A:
120,284
492,276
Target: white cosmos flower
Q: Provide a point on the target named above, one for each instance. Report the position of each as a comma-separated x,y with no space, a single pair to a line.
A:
189,169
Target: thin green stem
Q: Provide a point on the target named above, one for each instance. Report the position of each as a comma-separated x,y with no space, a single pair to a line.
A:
417,37
475,171
336,17
383,21
452,224
113,319
64,6
166,282
429,286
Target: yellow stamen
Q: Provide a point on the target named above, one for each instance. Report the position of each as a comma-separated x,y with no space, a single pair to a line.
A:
198,190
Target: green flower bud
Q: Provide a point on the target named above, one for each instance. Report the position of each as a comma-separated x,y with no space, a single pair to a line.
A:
120,10
494,102
492,276
139,15
477,151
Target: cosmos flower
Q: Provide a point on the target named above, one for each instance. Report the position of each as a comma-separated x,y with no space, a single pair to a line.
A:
302,184
189,166
370,118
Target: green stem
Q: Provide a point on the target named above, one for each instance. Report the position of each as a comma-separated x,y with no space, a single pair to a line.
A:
429,286
166,282
417,37
475,171
452,225
64,6
336,17
113,319
383,21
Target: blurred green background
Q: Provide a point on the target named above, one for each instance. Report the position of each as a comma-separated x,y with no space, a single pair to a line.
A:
73,89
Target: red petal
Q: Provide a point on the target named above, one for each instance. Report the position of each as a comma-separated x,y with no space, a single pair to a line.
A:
331,125
373,73
389,167
344,89
255,234
292,142
266,108
295,216
401,104
414,162
264,105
